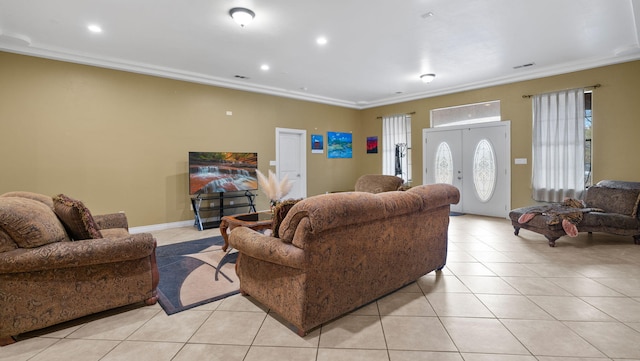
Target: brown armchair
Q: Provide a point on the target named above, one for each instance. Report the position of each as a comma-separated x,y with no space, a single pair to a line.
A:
48,275
378,183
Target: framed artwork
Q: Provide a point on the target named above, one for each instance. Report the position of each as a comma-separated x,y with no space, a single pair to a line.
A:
317,143
372,144
339,145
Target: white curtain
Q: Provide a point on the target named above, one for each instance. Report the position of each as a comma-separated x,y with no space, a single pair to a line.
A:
558,145
396,146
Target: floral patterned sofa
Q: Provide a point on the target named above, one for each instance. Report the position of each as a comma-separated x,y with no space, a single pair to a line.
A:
58,263
336,252
609,206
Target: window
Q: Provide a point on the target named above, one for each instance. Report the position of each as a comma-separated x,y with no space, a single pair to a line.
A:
396,146
444,164
558,145
587,138
466,114
484,170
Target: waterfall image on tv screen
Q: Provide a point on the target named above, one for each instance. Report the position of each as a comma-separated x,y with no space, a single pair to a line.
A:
214,172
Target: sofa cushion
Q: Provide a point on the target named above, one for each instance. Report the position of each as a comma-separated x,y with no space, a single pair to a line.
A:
613,200
77,219
114,233
29,223
609,221
30,195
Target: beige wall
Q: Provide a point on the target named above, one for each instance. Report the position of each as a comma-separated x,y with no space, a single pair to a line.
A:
119,141
616,123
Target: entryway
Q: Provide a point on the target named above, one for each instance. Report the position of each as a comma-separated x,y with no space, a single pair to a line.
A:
476,160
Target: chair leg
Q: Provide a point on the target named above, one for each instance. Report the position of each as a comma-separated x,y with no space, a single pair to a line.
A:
4,341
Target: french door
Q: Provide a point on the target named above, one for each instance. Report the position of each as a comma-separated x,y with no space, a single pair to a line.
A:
474,159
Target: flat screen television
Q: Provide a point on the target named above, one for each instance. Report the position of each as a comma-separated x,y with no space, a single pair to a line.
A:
215,172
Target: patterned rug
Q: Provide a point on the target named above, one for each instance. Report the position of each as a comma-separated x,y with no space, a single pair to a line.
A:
188,274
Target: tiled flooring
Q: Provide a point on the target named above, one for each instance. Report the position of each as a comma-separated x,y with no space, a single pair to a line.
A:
500,298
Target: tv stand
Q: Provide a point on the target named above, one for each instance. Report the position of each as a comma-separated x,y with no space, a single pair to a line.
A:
218,204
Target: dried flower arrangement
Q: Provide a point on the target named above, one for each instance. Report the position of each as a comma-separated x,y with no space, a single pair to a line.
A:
273,188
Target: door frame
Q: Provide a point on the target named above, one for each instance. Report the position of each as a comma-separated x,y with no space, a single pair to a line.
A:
506,124
302,151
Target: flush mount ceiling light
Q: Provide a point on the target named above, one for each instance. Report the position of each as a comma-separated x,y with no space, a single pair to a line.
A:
242,16
94,28
427,78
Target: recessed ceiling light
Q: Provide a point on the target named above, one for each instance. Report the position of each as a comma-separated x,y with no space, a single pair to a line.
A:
94,28
321,40
524,65
427,15
264,67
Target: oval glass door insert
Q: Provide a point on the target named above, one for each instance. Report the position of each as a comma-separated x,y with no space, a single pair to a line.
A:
484,170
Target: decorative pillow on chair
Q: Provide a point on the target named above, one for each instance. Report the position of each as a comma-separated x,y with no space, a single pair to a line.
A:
279,212
76,218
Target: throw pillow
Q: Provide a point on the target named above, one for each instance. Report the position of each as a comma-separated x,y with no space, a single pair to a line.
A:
28,223
279,213
76,218
31,195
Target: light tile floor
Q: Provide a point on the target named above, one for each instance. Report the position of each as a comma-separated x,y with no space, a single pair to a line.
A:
500,298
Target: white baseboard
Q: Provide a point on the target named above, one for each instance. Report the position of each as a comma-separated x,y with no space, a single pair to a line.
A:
159,227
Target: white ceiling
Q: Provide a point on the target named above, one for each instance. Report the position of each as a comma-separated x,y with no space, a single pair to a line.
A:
375,53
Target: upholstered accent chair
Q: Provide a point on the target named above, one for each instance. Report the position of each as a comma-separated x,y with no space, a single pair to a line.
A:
58,263
378,183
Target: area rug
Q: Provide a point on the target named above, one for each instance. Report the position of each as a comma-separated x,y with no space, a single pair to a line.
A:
188,276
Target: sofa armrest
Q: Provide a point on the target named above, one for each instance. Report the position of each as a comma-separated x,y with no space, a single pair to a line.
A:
436,195
78,253
266,248
112,220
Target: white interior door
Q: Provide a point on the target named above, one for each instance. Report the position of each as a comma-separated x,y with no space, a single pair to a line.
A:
480,166
291,160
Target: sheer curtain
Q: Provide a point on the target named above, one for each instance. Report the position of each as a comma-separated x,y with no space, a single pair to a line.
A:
396,146
558,145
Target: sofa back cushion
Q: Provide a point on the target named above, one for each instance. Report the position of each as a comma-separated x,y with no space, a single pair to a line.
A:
329,211
613,199
77,219
378,183
29,223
